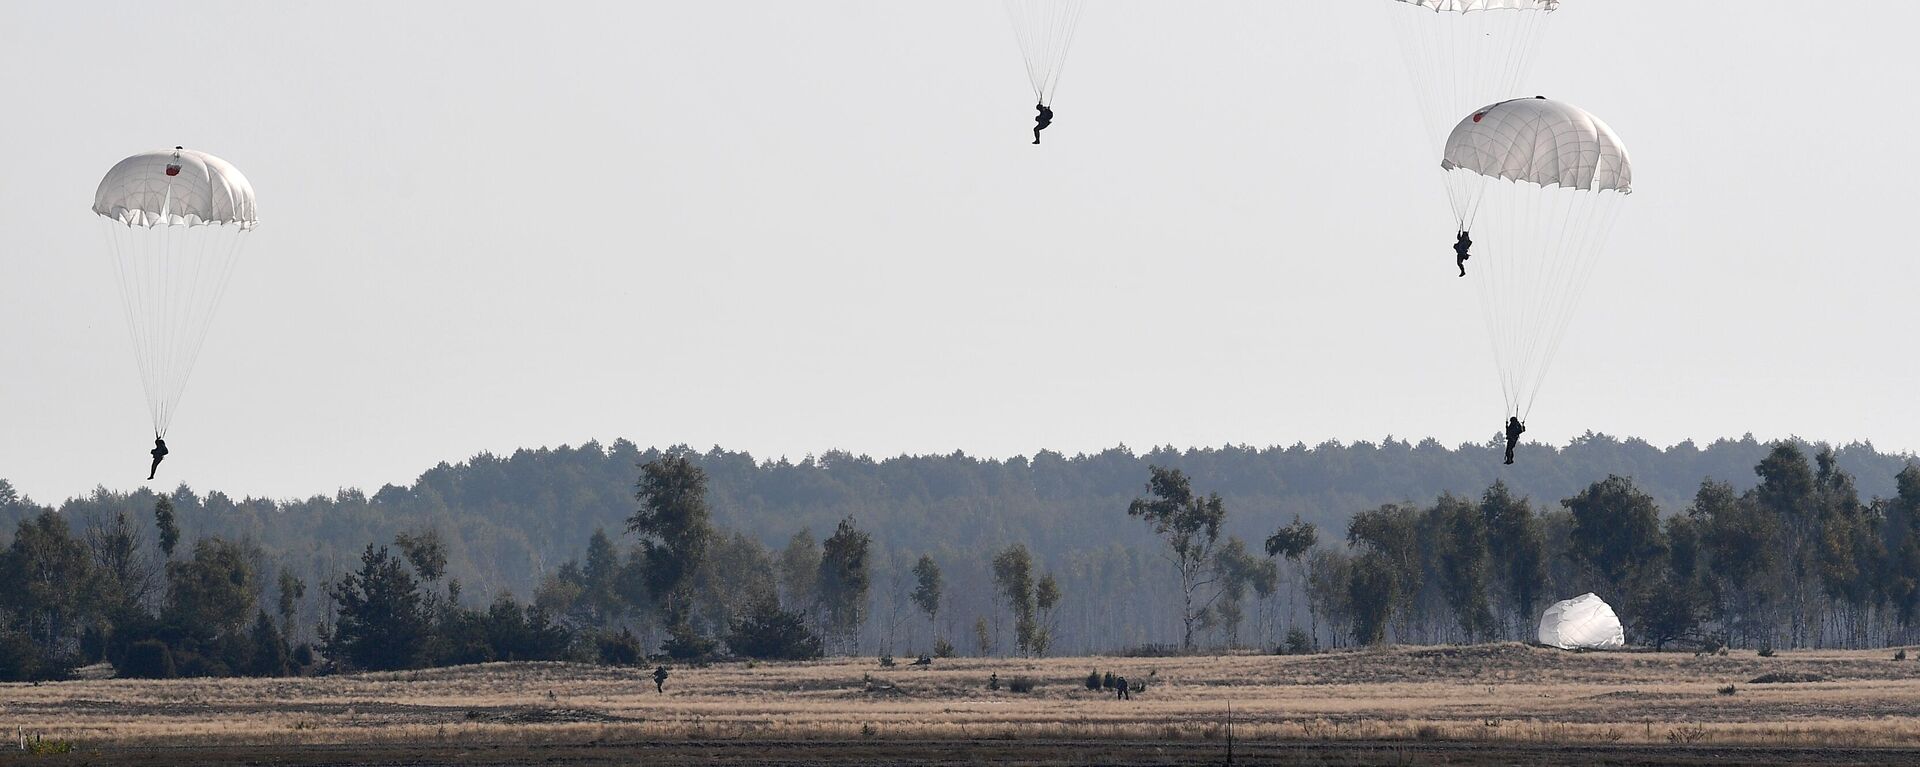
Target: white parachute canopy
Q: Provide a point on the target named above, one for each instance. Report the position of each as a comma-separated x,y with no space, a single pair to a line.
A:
1584,622
175,221
1045,30
1464,53
1538,184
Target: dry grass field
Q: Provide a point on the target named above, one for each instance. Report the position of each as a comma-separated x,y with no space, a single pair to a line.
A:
1487,704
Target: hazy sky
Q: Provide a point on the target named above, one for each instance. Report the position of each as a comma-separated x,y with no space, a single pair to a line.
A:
788,226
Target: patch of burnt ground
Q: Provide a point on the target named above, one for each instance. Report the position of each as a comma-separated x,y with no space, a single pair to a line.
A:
1786,677
544,716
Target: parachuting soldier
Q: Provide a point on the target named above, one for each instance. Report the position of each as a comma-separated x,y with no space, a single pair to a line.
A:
1040,123
159,453
1461,244
1514,429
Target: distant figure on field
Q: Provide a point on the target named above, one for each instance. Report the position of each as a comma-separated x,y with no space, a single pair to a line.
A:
660,679
1040,123
159,453
1514,429
993,682
1121,690
1461,244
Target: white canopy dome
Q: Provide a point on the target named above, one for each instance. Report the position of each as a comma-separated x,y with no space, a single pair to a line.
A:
1543,141
1463,6
1584,622
175,187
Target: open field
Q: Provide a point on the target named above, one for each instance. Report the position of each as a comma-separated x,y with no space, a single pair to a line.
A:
1493,704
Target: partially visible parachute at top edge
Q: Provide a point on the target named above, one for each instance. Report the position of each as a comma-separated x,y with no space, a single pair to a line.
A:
1584,622
1463,54
1044,29
175,220
1539,183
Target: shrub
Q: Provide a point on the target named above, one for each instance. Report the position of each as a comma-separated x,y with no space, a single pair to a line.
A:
1021,684
303,655
192,664
1298,643
1766,652
149,659
622,649
774,634
886,661
39,747
942,648
1093,680
1687,734
1901,655
1728,690
687,647
22,661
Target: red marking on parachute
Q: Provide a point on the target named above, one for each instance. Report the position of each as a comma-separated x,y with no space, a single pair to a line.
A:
1476,118
173,170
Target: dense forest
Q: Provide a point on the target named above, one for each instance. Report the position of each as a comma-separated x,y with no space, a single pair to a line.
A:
615,553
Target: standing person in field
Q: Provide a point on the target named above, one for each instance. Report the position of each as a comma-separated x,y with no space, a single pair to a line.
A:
660,679
1121,689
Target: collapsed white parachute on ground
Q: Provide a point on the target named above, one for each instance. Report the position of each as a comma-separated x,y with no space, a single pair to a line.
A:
175,221
1538,184
1584,622
1044,29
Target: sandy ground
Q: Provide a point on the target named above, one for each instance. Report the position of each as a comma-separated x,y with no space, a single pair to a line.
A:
1483,705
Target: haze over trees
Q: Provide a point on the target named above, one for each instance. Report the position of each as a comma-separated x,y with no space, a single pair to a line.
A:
614,554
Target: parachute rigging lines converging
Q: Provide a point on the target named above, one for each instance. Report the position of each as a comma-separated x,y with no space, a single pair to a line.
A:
1044,29
1462,54
1546,180
175,221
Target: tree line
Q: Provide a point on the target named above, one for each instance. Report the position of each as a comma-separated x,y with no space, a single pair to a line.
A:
1792,558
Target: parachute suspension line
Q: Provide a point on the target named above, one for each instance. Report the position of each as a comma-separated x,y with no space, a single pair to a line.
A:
224,268
1547,297
1538,260
172,282
1536,265
1587,253
179,317
1489,303
1462,60
1044,29
1457,61
127,277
